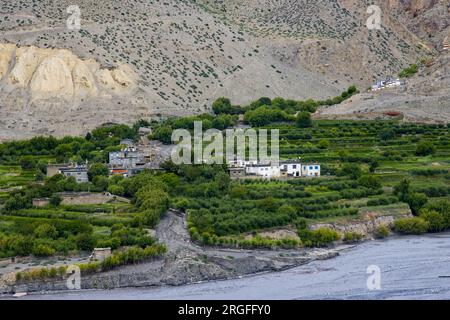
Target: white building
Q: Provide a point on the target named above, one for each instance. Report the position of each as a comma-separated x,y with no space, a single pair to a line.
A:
311,170
241,163
387,83
291,168
263,170
80,173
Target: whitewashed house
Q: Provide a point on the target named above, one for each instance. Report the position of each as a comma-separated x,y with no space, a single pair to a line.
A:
263,170
291,168
311,170
241,163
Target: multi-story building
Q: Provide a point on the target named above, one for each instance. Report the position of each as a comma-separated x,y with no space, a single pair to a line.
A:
80,173
126,158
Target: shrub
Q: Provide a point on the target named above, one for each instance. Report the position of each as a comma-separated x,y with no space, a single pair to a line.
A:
435,220
416,201
318,238
27,163
382,232
409,71
413,225
370,182
85,241
425,148
352,237
350,169
304,119
55,200
43,250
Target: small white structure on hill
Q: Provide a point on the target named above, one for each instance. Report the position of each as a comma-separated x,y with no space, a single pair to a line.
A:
387,83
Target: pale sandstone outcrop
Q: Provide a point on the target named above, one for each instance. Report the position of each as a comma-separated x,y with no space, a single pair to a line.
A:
6,51
83,80
52,79
123,76
27,60
59,73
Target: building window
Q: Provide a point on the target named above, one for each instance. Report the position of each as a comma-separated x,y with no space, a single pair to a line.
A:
310,167
317,168
294,166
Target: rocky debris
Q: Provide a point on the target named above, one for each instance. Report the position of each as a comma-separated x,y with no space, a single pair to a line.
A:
366,225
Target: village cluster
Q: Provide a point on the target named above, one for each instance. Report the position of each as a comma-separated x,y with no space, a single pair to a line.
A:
133,159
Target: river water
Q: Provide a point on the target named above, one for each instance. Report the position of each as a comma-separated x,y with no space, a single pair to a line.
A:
411,267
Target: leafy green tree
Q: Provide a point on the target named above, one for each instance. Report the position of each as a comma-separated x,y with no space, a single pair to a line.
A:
46,230
425,148
55,200
369,181
324,144
97,169
116,189
402,190
100,183
163,134
352,170
373,166
304,119
387,134
27,163
416,201
85,241
222,105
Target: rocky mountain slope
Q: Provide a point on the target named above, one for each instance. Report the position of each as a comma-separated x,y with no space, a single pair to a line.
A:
148,58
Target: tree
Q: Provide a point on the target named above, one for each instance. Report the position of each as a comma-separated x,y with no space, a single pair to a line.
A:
416,201
27,163
222,105
324,144
350,169
46,231
163,134
223,180
85,241
55,200
425,148
97,169
402,190
116,189
370,182
387,134
373,166
100,182
304,119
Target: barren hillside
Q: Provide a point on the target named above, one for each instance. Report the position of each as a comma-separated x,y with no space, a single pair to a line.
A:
146,58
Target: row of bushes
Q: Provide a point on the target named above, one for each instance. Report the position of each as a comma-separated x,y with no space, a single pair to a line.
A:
129,256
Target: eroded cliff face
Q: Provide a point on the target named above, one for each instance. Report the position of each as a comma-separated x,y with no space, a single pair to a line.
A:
58,73
428,19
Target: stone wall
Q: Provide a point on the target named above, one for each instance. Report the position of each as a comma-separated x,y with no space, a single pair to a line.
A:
85,198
